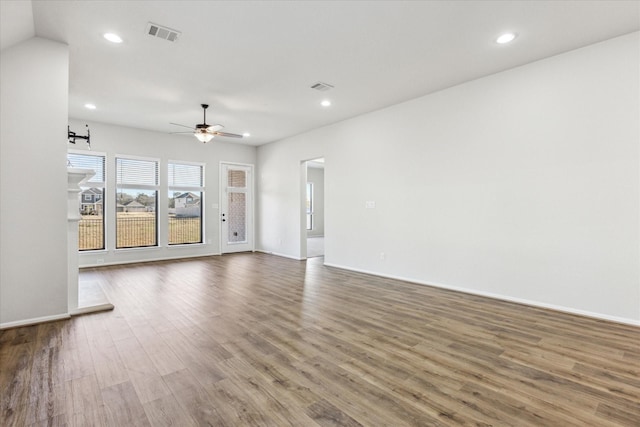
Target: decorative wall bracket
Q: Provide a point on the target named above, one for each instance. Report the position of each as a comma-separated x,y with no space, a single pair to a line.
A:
72,136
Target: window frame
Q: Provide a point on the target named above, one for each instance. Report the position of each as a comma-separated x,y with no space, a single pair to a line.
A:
171,187
137,186
93,184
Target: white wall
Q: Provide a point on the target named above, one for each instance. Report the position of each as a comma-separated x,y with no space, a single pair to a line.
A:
34,84
118,140
316,176
279,193
522,185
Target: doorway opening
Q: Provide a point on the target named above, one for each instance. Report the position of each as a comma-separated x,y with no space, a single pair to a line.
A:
313,234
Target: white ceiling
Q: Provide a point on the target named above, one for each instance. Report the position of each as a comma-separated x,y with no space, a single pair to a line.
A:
254,61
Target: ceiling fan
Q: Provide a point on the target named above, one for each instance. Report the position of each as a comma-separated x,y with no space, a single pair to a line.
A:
205,132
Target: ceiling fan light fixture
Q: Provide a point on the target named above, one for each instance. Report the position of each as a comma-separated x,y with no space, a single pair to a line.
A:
203,136
205,132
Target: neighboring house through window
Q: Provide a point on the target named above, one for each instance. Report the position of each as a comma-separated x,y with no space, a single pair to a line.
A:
91,228
186,193
136,202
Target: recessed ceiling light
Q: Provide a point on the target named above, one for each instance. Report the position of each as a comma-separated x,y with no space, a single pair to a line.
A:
90,106
113,38
325,103
246,134
506,38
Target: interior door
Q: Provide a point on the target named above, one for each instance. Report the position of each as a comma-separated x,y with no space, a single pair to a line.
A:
236,208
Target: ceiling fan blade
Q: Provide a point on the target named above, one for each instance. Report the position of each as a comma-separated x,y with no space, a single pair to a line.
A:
227,134
206,129
214,128
179,133
184,126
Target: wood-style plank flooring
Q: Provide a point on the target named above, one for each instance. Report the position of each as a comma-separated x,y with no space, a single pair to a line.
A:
258,340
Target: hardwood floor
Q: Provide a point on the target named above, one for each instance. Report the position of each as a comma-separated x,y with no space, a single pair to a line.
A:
254,339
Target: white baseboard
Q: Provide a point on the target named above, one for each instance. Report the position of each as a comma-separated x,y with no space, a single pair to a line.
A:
82,310
279,254
34,321
103,264
563,309
92,309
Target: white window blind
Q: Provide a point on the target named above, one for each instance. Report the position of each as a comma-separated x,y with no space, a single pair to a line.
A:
88,161
185,175
136,172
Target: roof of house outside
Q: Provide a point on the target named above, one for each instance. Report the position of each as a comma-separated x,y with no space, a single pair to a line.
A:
187,194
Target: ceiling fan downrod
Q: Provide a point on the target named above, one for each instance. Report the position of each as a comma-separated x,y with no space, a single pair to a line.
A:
204,112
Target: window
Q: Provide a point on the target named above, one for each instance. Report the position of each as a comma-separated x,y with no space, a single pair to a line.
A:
186,192
91,226
309,206
136,202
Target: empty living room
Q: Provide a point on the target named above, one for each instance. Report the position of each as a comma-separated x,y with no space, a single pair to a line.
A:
470,171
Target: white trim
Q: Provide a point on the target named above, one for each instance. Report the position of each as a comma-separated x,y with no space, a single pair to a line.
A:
252,174
302,213
34,321
131,157
92,309
186,162
138,248
237,163
185,245
93,251
142,261
553,307
87,152
280,255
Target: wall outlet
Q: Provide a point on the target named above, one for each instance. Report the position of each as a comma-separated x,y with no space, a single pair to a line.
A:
100,261
370,204
383,256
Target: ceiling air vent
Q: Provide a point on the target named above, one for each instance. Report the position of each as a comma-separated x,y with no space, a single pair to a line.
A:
322,87
164,33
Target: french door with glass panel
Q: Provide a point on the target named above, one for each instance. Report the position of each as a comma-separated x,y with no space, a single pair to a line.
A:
236,208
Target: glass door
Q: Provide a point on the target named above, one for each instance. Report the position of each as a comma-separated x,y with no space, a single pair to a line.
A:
236,208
